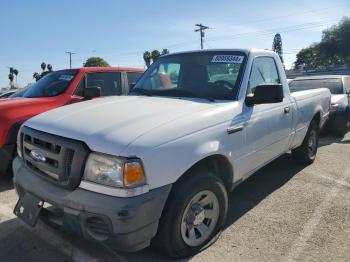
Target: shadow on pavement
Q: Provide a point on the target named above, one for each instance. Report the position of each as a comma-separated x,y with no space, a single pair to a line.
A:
264,182
5,182
328,140
18,243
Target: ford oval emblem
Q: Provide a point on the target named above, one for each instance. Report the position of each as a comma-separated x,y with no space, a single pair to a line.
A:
37,155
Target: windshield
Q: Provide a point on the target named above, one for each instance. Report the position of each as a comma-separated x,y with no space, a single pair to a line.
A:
210,75
52,84
333,84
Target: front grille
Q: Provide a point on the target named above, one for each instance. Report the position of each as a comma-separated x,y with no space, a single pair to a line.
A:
55,158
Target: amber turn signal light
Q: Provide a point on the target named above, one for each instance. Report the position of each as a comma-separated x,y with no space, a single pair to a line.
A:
133,173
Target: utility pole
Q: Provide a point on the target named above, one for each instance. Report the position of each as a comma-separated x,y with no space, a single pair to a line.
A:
70,58
201,29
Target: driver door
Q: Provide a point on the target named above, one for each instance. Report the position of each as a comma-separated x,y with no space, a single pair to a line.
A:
268,126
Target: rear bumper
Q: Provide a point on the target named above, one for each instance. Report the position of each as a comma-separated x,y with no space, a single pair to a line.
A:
7,153
127,223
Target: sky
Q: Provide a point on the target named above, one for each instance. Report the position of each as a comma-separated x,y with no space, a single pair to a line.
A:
36,31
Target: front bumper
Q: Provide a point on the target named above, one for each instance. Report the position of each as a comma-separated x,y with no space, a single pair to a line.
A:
7,153
127,223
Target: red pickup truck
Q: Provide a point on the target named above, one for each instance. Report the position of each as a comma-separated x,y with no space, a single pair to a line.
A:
57,89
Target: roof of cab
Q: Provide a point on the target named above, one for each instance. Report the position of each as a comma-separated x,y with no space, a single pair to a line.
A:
242,50
119,69
320,77
99,69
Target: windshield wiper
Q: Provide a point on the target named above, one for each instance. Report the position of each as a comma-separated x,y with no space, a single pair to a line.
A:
186,93
141,91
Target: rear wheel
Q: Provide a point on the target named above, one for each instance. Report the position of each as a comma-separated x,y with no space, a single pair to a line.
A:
342,129
306,153
193,216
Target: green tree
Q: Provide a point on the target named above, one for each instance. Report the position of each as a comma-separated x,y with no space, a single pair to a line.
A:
96,62
155,54
277,46
36,76
147,58
165,51
43,66
332,51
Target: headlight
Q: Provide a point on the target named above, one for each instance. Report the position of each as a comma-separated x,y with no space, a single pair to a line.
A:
114,171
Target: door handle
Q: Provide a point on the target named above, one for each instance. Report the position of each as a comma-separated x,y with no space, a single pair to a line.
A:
234,129
286,110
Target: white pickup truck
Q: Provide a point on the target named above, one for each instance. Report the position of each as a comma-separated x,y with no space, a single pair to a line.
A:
158,164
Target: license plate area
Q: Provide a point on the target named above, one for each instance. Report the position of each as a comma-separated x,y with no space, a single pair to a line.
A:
28,209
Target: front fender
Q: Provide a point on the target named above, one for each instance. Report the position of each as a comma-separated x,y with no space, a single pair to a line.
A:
166,163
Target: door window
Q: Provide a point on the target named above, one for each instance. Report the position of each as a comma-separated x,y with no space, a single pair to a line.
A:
133,77
109,82
264,72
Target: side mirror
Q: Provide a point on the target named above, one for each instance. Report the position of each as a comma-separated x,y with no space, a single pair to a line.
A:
348,91
265,94
92,92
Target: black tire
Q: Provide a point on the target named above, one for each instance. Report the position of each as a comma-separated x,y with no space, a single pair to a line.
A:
169,239
342,129
304,154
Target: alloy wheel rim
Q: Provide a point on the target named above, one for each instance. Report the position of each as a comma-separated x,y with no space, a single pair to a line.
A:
200,218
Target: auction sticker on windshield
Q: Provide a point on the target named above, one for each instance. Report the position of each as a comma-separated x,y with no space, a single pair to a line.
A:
235,59
66,77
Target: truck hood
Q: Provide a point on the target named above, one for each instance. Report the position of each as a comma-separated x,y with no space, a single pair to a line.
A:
109,125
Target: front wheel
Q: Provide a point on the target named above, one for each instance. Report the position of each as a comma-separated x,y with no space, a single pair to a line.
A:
306,153
193,216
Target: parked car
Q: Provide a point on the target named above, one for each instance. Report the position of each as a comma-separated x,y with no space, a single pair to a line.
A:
20,92
57,89
339,85
7,94
163,170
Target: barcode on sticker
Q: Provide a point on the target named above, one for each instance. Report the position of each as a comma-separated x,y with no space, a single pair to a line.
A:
235,59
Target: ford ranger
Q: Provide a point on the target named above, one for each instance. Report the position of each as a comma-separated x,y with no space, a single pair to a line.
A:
339,85
57,89
197,124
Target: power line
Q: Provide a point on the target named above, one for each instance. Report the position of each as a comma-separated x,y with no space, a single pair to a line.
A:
70,58
201,29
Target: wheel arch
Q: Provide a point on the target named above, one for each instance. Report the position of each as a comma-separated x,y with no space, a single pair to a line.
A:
317,118
218,164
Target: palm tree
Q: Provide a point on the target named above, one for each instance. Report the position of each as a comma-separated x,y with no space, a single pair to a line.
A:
11,80
43,66
49,67
147,57
36,76
155,55
165,51
15,72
